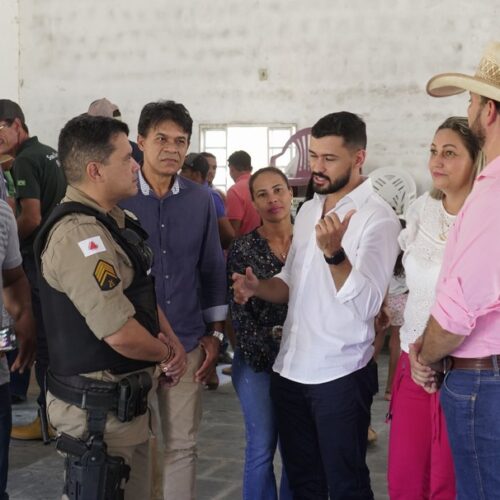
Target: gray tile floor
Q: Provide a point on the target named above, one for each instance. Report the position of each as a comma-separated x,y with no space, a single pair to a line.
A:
36,470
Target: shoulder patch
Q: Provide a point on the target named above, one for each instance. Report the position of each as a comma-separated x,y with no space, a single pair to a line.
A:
91,246
105,275
130,214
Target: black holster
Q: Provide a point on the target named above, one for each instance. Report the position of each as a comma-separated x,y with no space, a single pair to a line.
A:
92,474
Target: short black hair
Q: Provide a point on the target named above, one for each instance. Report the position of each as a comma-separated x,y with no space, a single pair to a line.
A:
84,139
155,113
197,163
241,161
343,124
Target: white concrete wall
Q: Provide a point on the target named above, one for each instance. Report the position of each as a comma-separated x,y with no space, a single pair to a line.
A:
370,57
9,49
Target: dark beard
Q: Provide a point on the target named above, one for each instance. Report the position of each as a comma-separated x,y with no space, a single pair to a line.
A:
476,128
478,132
333,187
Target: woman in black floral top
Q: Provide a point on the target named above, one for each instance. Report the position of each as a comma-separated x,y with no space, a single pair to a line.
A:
257,325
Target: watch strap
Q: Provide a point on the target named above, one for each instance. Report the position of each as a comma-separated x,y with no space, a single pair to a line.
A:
337,258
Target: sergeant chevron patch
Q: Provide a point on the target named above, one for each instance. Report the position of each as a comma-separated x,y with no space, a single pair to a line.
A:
105,275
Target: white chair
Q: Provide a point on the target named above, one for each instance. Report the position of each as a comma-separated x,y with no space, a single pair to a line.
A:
396,186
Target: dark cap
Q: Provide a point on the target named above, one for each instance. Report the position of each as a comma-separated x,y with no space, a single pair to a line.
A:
9,110
241,160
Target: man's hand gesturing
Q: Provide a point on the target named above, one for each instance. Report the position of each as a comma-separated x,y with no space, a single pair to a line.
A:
330,231
244,285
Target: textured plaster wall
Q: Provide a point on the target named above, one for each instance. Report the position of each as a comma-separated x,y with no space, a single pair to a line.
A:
9,49
371,57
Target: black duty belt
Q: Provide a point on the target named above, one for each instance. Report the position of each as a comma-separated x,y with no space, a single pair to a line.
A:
84,392
126,398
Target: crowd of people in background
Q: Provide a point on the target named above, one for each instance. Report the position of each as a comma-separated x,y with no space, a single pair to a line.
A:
126,272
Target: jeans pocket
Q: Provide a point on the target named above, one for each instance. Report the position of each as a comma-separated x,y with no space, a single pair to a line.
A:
456,387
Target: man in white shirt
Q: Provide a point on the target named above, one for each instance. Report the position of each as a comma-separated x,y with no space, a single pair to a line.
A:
335,279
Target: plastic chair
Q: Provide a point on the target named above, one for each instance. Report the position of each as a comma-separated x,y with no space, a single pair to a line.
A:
302,173
396,186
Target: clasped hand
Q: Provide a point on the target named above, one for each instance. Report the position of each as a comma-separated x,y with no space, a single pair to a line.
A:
172,369
427,377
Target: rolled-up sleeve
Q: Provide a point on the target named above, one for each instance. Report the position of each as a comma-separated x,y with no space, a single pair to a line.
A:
469,283
372,267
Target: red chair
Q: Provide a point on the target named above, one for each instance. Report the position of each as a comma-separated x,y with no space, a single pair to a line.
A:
302,172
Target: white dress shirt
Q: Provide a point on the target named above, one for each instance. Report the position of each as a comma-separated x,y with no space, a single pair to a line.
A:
328,333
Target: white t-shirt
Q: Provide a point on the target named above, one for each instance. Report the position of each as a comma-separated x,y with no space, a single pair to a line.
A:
10,257
328,333
423,242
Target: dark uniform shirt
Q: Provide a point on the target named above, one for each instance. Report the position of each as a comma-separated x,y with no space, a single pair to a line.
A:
37,175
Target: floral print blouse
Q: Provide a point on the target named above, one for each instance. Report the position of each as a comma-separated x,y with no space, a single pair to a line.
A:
253,322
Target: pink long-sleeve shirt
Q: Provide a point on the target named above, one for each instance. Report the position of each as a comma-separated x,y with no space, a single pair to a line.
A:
468,290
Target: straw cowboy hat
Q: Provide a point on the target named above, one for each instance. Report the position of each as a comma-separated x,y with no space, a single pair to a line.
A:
486,81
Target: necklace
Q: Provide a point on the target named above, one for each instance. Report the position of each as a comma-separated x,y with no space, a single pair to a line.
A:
281,251
445,222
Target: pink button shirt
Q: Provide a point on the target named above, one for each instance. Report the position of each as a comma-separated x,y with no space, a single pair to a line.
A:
468,290
239,205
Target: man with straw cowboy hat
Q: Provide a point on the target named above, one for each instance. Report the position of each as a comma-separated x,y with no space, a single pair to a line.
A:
462,338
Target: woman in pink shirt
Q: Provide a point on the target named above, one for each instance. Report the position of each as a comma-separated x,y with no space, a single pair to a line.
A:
420,463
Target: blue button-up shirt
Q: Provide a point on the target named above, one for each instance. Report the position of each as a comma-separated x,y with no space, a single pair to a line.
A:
189,267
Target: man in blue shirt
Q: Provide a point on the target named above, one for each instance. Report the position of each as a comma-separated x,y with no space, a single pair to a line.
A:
189,269
196,168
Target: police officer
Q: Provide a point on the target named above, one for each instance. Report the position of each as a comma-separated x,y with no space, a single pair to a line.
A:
103,324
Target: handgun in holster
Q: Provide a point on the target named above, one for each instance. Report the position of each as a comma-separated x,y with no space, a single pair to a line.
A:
91,474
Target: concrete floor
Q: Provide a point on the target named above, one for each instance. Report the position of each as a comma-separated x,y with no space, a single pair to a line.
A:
36,470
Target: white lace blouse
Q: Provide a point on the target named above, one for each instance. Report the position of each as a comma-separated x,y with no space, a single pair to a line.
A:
423,242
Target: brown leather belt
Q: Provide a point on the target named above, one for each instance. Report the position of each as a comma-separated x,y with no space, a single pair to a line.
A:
473,363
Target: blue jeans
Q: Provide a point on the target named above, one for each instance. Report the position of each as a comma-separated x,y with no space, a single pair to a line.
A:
5,427
471,403
259,482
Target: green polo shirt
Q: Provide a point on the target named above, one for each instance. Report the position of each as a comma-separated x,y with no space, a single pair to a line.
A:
37,174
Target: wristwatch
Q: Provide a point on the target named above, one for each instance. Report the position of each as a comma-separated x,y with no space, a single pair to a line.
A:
218,335
337,258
